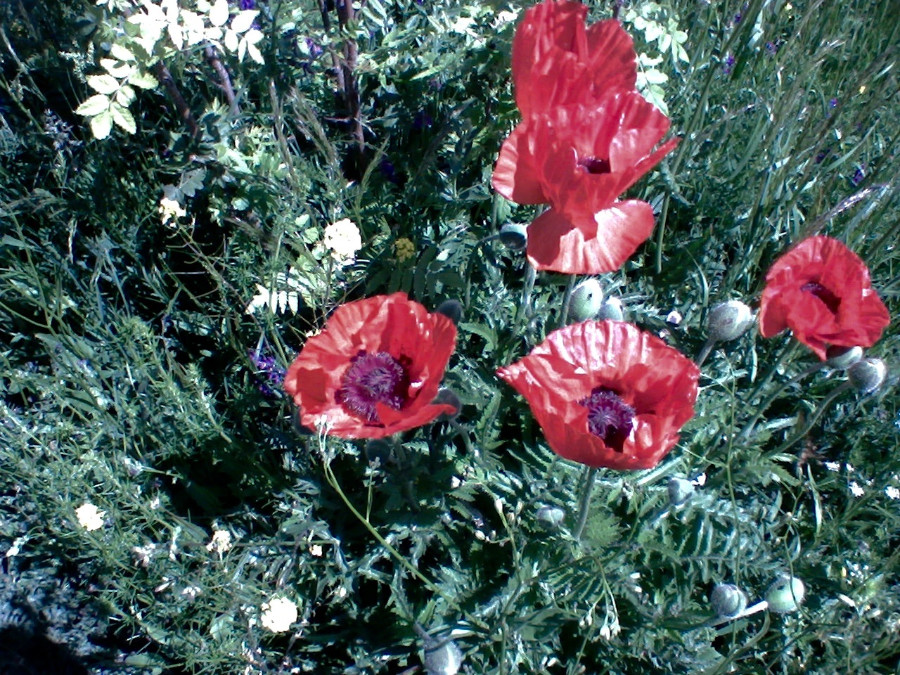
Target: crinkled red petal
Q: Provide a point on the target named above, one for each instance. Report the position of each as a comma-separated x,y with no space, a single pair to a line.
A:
557,244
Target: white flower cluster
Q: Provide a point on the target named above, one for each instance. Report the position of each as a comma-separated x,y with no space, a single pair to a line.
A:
278,614
89,517
343,240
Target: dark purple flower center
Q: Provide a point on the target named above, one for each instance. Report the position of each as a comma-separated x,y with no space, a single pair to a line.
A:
609,417
370,379
832,302
594,165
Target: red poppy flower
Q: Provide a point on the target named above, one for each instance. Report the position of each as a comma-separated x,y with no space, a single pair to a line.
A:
374,369
557,59
580,159
821,290
607,394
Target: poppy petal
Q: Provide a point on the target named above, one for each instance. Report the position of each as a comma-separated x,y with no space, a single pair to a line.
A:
555,243
515,176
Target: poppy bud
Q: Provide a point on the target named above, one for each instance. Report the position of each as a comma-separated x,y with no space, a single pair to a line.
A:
785,595
586,300
442,656
867,375
550,516
514,236
452,309
680,490
729,320
612,309
727,600
447,396
841,358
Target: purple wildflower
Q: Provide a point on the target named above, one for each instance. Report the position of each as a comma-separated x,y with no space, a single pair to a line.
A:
728,65
269,374
833,103
386,166
313,48
771,48
858,175
822,155
248,4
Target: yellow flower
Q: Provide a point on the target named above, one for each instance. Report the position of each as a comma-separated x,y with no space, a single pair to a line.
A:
404,249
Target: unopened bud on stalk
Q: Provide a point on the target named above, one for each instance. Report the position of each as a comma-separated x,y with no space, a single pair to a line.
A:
514,236
841,358
442,656
785,595
586,300
728,321
448,397
727,600
680,490
612,309
452,309
550,516
867,375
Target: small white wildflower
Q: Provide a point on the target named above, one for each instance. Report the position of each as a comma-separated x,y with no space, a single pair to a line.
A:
90,517
856,489
143,554
891,491
315,550
833,466
191,592
220,542
278,614
343,240
504,17
16,547
170,209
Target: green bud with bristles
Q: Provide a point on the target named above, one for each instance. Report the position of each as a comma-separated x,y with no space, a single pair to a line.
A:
727,600
785,595
514,236
841,358
867,375
586,300
729,320
612,309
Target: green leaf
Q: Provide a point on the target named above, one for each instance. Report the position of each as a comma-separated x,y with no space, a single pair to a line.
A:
95,105
123,118
103,84
143,81
101,125
125,96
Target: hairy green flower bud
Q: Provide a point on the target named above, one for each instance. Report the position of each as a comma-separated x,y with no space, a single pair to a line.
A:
729,320
514,236
550,516
727,600
586,300
449,397
452,309
680,490
442,656
785,595
612,309
841,358
867,375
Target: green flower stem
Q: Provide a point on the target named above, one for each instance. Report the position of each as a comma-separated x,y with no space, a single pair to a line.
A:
761,409
810,423
564,310
530,276
584,504
705,351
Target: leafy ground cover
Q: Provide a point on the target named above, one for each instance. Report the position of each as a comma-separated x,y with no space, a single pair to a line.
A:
181,187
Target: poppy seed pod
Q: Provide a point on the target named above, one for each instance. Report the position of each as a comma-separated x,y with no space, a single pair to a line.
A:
727,600
841,358
785,595
612,309
585,301
452,309
680,490
867,375
514,236
550,516
728,321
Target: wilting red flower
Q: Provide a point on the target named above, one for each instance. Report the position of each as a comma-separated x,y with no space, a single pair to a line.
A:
374,369
821,290
580,158
607,394
557,59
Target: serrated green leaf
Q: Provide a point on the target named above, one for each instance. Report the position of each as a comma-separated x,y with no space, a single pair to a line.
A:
125,96
95,105
143,80
121,53
101,125
123,118
103,84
